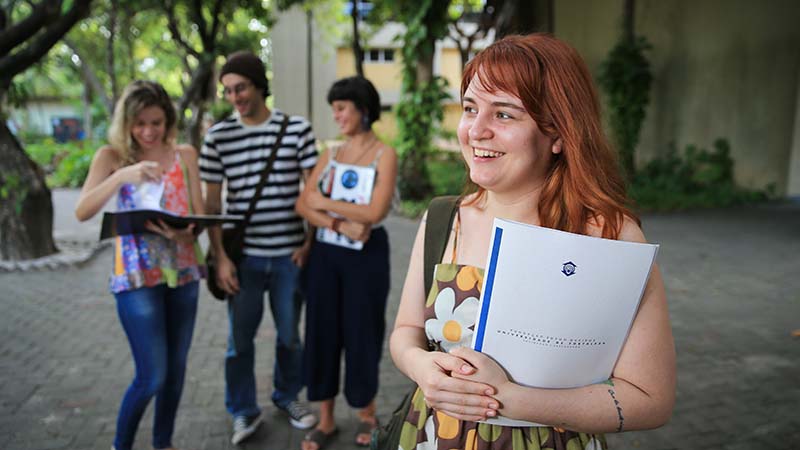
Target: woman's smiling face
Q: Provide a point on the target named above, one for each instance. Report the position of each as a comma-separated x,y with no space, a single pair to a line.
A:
347,117
149,128
500,141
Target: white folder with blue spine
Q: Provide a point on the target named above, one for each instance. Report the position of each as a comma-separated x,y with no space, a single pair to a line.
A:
556,307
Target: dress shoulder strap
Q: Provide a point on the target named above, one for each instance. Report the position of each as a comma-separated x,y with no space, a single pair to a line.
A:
374,163
334,151
186,181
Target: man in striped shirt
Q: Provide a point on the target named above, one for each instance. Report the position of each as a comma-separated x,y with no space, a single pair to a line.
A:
236,151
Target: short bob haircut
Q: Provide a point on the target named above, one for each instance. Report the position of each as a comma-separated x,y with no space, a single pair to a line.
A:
361,92
139,95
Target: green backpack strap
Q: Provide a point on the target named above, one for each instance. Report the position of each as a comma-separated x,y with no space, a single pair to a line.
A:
441,213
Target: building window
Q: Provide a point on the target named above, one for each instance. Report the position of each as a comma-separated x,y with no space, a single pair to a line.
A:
380,55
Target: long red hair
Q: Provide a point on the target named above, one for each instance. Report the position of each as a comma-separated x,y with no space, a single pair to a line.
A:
583,187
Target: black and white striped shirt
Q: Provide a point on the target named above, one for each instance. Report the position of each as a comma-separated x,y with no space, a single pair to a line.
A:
237,152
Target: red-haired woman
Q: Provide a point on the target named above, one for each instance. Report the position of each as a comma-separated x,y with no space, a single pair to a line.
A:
531,137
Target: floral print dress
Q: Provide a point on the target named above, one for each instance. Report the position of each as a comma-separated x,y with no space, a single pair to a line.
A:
147,260
450,312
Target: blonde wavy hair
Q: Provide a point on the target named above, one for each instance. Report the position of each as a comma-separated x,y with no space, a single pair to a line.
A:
137,96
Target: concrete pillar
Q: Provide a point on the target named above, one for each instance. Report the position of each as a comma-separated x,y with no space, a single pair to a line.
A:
303,69
290,71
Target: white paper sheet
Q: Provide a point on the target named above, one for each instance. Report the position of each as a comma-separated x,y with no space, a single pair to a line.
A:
147,195
352,184
556,307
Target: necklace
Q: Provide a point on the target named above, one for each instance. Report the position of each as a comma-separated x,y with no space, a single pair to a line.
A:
364,151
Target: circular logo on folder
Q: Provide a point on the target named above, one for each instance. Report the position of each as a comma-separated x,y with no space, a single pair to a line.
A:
349,179
568,268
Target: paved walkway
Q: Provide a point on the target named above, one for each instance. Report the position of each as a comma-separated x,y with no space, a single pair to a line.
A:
733,282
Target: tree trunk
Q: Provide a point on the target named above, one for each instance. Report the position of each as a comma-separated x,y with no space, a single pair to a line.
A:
90,79
86,100
357,50
415,180
26,209
195,129
195,97
112,72
523,17
628,12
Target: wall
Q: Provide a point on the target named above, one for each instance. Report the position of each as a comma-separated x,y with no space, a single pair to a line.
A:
722,68
292,73
36,115
387,78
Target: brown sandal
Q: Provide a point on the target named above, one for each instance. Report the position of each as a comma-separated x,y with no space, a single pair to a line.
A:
366,428
321,438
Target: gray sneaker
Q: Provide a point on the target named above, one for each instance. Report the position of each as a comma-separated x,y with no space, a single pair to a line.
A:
300,415
244,427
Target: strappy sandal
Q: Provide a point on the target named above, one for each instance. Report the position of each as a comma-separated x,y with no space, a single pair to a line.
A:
321,438
365,428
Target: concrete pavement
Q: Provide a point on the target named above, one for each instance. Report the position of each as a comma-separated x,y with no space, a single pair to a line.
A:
733,283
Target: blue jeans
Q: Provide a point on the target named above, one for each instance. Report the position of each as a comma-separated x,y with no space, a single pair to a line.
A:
159,322
279,276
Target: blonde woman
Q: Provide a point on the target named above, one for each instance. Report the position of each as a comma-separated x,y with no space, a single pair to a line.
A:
155,275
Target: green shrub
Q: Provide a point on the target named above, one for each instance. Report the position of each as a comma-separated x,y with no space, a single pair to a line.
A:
65,165
43,152
697,179
413,208
626,77
447,173
73,167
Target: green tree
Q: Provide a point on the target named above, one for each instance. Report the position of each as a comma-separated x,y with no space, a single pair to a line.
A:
204,31
175,42
27,32
95,47
463,13
419,109
625,76
355,40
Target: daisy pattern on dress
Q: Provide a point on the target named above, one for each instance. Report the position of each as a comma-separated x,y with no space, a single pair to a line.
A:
593,444
430,432
451,327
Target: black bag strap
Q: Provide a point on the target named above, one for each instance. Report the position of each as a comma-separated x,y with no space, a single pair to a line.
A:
441,213
273,155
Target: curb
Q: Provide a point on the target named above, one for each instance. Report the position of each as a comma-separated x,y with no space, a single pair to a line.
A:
71,253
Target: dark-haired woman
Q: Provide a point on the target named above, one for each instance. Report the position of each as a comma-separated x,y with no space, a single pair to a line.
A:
346,288
155,275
